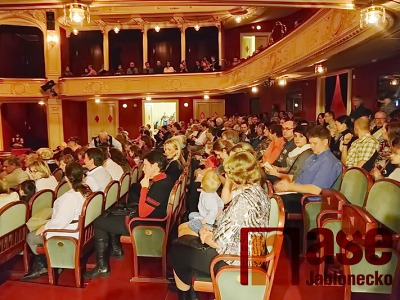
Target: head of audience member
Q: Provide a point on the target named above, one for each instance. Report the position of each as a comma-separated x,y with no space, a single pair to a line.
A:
380,118
4,188
147,65
320,119
45,153
343,122
74,177
242,146
203,125
154,163
300,135
175,128
73,143
38,170
120,68
244,127
65,160
211,123
275,132
210,181
242,169
30,158
219,122
168,64
319,137
329,117
103,137
145,141
221,148
225,118
361,126
287,130
11,163
282,114
173,148
392,130
26,190
135,151
260,129
119,158
356,101
231,136
93,158
158,63
395,156
211,134
131,65
90,67
106,153
198,64
290,115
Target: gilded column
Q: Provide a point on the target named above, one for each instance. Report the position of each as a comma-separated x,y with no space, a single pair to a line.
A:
183,42
54,122
145,45
1,131
106,52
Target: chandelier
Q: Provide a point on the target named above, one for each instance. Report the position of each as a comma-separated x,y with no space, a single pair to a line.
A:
373,15
76,13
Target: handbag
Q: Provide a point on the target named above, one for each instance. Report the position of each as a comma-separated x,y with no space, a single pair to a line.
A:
123,209
191,241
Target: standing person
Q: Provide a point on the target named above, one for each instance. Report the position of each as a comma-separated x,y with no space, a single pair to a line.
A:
359,110
65,215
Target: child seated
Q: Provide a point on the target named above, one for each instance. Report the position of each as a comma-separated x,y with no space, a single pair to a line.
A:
210,204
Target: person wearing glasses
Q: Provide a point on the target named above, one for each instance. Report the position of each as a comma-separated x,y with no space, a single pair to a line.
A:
13,173
288,146
380,118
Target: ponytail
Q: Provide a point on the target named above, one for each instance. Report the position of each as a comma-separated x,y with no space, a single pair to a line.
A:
74,173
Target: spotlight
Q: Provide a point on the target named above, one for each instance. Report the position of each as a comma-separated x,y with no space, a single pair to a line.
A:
97,100
197,27
124,105
319,69
75,31
254,89
148,98
206,97
238,19
48,85
157,28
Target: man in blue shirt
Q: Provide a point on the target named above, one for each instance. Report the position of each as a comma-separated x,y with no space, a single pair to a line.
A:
321,170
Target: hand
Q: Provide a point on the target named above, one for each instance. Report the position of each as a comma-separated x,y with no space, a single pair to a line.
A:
204,235
273,172
145,182
40,230
376,173
347,138
283,186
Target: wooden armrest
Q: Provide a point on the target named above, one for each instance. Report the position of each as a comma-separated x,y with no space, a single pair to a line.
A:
125,239
310,198
128,221
325,213
60,231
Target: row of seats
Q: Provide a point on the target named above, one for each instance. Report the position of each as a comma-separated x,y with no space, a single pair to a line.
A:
61,251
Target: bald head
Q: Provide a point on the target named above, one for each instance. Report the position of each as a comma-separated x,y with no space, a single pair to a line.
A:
103,136
361,125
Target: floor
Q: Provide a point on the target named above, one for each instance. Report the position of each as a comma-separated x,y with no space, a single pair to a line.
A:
118,286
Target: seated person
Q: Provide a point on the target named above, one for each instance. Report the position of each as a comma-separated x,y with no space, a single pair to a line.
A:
26,190
250,208
17,141
156,187
40,172
210,204
97,178
104,138
67,72
173,153
275,146
113,168
13,173
6,196
147,69
132,70
168,68
289,145
65,215
47,155
321,170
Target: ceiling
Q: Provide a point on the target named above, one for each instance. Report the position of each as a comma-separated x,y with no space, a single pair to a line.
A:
178,12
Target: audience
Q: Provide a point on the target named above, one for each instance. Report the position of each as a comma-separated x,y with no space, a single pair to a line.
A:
97,178
13,174
6,195
40,172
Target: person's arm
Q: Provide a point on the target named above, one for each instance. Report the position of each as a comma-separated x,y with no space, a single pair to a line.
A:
346,145
226,193
63,215
116,144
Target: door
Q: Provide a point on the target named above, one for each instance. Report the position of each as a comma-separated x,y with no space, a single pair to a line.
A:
102,117
208,108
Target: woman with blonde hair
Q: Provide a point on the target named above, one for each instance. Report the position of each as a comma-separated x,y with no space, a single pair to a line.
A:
40,172
6,196
173,153
242,146
249,209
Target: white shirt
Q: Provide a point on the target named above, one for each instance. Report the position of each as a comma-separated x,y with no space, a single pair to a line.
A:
115,144
97,179
201,139
395,174
209,206
46,183
114,169
169,70
66,209
8,198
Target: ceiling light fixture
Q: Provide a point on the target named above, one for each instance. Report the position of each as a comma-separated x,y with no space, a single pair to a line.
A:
238,19
41,102
97,100
394,81
197,27
157,28
282,81
206,97
319,69
117,28
75,31
373,15
124,105
258,27
254,89
148,98
76,12
185,104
